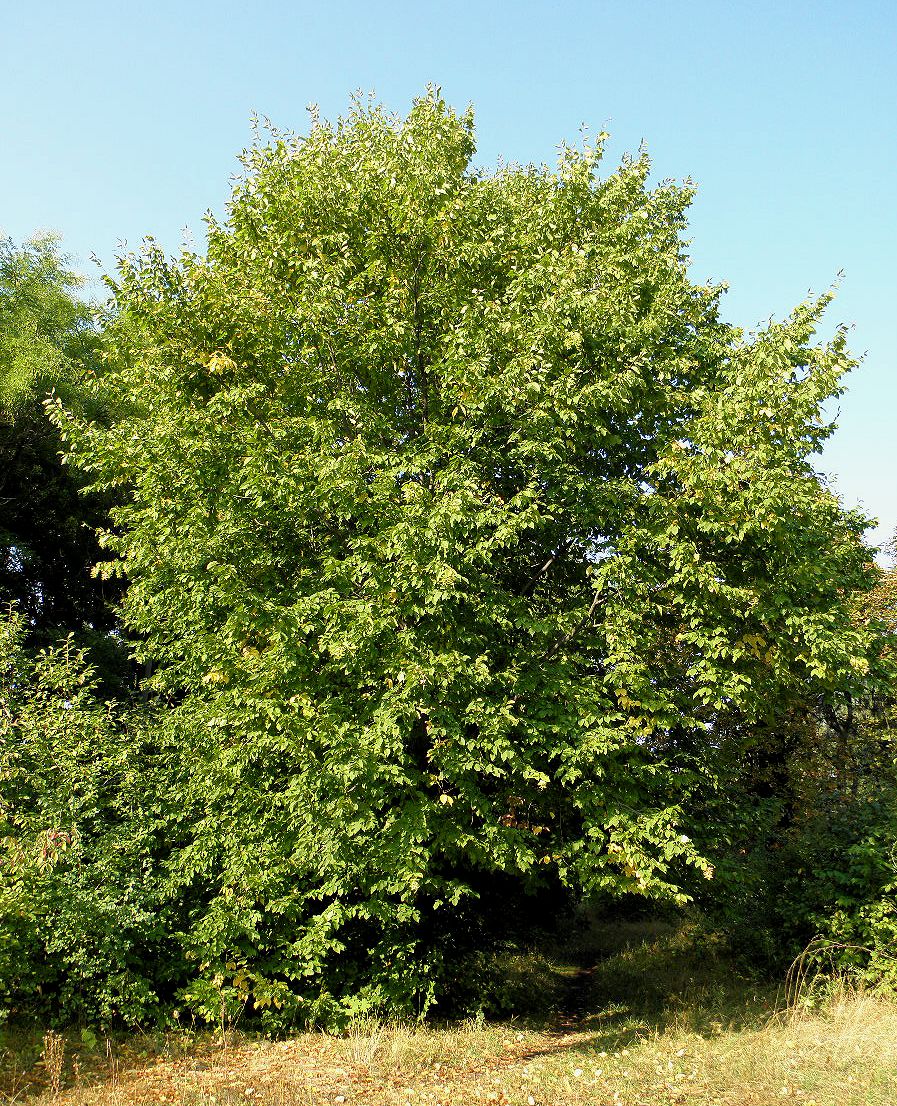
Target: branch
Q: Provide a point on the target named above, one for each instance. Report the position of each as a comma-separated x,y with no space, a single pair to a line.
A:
565,639
541,572
571,634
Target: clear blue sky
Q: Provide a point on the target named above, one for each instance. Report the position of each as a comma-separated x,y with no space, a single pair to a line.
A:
120,120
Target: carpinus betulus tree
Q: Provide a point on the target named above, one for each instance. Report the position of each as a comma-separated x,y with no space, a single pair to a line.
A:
457,525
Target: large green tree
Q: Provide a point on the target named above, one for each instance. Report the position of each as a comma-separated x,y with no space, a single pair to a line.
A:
464,534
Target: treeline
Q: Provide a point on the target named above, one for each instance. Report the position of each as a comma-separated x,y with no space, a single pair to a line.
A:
423,558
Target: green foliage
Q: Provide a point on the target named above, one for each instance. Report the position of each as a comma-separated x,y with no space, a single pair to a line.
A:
827,881
808,858
43,326
48,544
82,930
467,539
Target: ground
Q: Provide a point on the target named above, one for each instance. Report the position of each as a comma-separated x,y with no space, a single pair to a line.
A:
634,1014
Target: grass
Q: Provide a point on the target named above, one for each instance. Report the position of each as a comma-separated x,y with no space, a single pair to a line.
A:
643,1015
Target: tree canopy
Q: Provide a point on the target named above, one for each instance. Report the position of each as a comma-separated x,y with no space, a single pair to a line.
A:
43,325
465,538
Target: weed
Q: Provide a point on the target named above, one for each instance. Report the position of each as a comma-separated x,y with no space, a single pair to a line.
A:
54,1058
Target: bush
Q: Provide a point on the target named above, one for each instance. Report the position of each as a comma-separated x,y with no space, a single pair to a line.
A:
84,932
826,876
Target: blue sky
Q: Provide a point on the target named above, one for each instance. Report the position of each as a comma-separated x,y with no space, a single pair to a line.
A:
120,120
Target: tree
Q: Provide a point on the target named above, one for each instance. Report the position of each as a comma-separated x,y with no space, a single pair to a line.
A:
463,533
47,527
45,327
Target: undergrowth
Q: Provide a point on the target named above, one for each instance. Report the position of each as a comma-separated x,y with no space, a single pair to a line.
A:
618,1013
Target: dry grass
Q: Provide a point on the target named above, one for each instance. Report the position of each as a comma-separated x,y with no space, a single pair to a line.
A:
656,1023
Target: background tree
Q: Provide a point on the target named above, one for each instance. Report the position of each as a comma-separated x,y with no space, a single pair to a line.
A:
469,540
48,544
809,858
